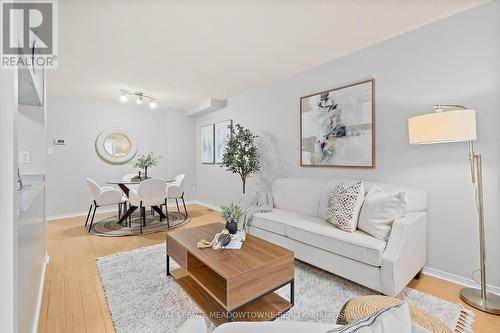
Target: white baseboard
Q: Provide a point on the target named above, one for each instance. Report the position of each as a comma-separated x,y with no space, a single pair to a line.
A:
206,204
40,294
78,214
99,211
457,279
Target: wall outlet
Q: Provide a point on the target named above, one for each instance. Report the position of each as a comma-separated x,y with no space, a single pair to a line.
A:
24,157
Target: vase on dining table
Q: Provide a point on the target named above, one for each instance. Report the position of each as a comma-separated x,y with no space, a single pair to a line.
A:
145,172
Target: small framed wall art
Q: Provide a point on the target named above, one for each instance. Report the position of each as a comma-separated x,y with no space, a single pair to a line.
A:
207,144
221,136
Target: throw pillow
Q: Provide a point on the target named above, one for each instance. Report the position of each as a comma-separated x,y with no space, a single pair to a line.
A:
379,211
344,205
393,319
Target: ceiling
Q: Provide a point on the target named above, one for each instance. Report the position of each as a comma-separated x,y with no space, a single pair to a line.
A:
183,52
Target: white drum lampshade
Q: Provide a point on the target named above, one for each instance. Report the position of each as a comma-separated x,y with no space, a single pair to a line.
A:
443,126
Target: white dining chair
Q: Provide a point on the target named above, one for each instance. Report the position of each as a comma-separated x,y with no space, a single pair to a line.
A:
174,191
122,207
149,193
103,196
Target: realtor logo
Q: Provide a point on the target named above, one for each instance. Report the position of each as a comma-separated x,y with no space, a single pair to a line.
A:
29,34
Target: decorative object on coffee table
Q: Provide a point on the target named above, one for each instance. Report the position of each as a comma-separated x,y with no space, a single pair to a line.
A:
146,161
456,123
220,240
241,155
223,240
231,214
362,306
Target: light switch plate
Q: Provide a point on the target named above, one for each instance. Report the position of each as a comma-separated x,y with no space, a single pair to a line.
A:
50,151
24,157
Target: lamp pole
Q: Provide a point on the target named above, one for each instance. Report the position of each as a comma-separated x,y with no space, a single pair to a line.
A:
480,299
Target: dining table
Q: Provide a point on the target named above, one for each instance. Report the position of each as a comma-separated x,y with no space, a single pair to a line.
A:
124,185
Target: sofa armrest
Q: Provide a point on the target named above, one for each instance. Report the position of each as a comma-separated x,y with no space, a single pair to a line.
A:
405,253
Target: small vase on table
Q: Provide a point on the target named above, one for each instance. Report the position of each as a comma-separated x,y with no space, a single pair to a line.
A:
232,227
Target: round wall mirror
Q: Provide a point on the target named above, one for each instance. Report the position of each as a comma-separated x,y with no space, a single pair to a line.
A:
115,146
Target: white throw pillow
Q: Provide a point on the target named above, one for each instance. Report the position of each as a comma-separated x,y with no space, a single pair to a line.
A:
379,211
344,205
390,320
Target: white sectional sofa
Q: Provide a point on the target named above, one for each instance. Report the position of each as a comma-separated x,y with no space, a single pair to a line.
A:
298,223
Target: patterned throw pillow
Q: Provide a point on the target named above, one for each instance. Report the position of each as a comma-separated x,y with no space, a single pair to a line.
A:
344,206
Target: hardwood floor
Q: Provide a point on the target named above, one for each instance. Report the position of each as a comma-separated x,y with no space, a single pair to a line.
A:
73,298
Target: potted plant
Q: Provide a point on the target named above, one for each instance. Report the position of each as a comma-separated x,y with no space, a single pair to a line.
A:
146,161
241,154
231,214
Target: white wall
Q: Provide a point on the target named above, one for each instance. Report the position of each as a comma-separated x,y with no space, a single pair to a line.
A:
180,150
31,128
79,121
455,60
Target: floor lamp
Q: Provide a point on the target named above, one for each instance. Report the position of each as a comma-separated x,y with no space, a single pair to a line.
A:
455,123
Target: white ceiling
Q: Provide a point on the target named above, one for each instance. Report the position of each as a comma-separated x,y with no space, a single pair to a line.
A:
183,52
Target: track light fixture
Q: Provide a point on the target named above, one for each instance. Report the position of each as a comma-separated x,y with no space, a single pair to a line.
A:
139,97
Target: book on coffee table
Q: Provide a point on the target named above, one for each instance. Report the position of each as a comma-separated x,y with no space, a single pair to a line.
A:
234,245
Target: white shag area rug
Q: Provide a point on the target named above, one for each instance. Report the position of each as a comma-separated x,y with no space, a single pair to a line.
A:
142,298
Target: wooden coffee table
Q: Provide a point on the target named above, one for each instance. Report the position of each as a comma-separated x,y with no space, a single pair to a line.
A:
232,284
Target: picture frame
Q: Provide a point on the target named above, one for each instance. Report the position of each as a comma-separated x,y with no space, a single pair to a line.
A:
337,127
207,154
222,132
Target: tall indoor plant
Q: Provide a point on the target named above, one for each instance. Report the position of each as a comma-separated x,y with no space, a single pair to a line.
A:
241,155
146,161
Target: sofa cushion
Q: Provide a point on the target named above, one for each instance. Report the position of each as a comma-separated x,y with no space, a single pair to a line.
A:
344,206
416,198
277,220
356,245
379,211
299,195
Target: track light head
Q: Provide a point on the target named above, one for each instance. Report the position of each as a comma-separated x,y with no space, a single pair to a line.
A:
139,98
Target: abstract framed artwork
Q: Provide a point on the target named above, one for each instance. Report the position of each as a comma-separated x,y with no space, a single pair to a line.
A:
221,136
207,144
337,127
